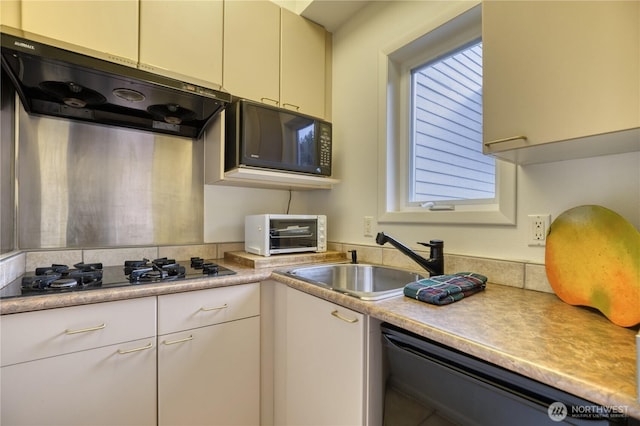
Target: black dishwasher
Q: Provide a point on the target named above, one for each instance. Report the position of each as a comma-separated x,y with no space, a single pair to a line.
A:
468,391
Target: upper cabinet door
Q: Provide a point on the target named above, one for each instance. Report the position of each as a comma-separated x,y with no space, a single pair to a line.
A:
107,26
302,65
555,71
182,38
10,13
252,50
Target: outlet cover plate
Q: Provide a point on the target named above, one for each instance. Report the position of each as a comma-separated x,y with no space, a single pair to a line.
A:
538,228
368,226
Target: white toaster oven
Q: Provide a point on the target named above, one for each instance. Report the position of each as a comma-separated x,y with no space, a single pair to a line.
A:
267,234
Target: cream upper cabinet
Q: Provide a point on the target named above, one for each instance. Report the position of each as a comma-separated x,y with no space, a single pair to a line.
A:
10,13
556,71
302,65
106,26
252,50
274,56
182,38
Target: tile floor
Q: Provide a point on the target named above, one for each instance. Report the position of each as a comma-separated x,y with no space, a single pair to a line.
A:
402,410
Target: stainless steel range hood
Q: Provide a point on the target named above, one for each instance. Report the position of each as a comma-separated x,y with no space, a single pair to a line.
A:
63,80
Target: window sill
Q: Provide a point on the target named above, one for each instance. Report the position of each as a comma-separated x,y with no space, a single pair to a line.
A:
501,212
491,217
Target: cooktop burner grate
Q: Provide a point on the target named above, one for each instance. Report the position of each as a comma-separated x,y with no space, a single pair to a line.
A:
88,276
56,277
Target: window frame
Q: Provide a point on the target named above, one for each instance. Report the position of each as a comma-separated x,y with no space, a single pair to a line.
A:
394,120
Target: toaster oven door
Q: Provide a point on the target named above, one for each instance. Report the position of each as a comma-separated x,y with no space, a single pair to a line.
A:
293,235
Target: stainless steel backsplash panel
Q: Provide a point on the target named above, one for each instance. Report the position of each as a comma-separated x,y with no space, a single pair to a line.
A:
7,162
86,185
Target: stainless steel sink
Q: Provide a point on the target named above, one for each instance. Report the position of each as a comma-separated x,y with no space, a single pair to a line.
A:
366,282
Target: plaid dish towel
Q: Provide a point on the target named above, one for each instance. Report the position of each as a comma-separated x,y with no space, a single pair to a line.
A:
445,289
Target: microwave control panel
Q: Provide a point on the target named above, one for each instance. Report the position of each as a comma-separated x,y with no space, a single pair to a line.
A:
325,145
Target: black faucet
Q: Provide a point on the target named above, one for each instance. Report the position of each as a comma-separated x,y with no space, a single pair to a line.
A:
434,265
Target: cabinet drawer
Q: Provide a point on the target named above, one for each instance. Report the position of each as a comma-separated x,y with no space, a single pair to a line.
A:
34,335
183,311
112,385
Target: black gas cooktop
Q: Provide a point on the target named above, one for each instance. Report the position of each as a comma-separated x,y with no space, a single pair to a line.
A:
58,278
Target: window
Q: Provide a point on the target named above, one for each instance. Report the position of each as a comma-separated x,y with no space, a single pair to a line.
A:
431,119
446,157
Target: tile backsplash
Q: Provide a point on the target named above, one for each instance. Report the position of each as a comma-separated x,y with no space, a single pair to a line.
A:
506,272
515,274
11,267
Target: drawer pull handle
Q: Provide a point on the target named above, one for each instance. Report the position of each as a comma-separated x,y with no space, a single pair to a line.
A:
343,318
85,330
512,138
296,107
143,348
217,308
270,100
174,342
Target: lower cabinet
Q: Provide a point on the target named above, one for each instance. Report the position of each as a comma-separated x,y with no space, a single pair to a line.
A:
210,375
324,352
106,386
80,365
98,364
194,358
209,357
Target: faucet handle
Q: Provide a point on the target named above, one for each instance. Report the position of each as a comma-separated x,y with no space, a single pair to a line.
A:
433,244
437,249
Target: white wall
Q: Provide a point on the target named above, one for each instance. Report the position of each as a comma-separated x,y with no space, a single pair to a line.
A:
226,206
611,181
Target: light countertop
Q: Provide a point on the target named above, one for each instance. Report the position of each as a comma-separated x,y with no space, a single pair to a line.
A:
243,275
535,334
574,349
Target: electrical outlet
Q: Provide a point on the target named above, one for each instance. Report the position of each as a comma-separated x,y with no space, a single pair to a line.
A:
368,226
538,229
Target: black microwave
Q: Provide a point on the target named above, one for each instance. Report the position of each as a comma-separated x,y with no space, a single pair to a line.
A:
262,136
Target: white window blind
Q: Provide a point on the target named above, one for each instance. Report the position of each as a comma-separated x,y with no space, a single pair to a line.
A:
447,163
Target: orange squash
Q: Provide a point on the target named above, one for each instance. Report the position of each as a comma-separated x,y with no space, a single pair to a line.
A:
592,258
